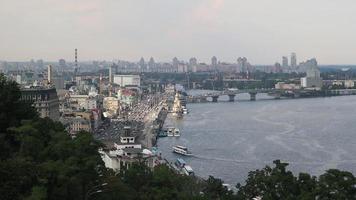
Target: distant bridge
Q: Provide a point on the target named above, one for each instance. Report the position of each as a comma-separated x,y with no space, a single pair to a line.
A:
277,93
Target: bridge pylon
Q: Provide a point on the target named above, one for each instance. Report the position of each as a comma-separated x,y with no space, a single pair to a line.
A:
253,96
232,97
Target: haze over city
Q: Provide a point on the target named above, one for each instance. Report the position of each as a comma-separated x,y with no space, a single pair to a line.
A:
262,31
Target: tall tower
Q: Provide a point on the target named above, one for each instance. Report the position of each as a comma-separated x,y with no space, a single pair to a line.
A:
111,75
293,61
49,74
285,62
75,63
76,58
214,61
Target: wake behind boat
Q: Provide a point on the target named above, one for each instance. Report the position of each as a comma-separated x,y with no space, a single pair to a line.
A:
182,150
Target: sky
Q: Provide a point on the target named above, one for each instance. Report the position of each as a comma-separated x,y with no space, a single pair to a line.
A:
261,30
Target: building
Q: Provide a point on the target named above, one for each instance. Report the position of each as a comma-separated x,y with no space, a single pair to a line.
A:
214,61
83,102
58,82
127,80
128,97
293,61
277,68
193,61
286,86
285,62
313,79
111,105
45,100
75,125
349,84
122,153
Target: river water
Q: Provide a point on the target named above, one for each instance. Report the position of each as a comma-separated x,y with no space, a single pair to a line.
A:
229,139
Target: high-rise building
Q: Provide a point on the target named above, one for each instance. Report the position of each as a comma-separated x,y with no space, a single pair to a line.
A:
62,63
214,61
193,61
313,78
111,76
278,68
242,64
293,60
141,63
175,62
50,74
151,64
284,62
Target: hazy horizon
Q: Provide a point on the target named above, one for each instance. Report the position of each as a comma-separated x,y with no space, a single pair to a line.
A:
128,30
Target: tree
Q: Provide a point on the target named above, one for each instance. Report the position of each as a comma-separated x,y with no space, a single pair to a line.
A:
270,183
336,184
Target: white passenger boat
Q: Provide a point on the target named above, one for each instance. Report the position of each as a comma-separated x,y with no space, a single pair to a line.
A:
182,150
172,132
176,132
188,170
185,111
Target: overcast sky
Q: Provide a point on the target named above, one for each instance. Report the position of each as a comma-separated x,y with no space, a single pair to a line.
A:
261,30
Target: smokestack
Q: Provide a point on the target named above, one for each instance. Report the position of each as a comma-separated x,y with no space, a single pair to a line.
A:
49,74
76,58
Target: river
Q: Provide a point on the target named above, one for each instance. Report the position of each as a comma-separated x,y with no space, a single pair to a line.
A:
229,139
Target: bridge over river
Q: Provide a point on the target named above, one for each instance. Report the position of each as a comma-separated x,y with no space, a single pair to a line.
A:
276,93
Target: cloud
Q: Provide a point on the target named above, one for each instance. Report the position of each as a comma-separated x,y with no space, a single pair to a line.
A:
208,12
85,13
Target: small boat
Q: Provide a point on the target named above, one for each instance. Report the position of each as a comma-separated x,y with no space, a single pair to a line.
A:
163,133
181,166
170,131
176,132
180,163
182,150
188,170
185,111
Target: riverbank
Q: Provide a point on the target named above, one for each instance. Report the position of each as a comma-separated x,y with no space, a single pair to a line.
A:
153,124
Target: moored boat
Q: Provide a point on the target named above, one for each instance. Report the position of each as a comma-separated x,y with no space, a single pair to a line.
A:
176,132
181,166
187,169
182,150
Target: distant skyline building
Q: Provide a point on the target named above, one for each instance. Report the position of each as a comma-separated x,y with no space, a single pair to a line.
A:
175,62
62,63
151,63
313,78
214,61
278,68
193,61
285,63
293,60
242,64
142,63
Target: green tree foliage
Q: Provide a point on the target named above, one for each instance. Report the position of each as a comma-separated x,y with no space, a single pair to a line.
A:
39,160
279,183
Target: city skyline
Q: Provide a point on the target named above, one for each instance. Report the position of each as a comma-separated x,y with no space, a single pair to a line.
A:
128,30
